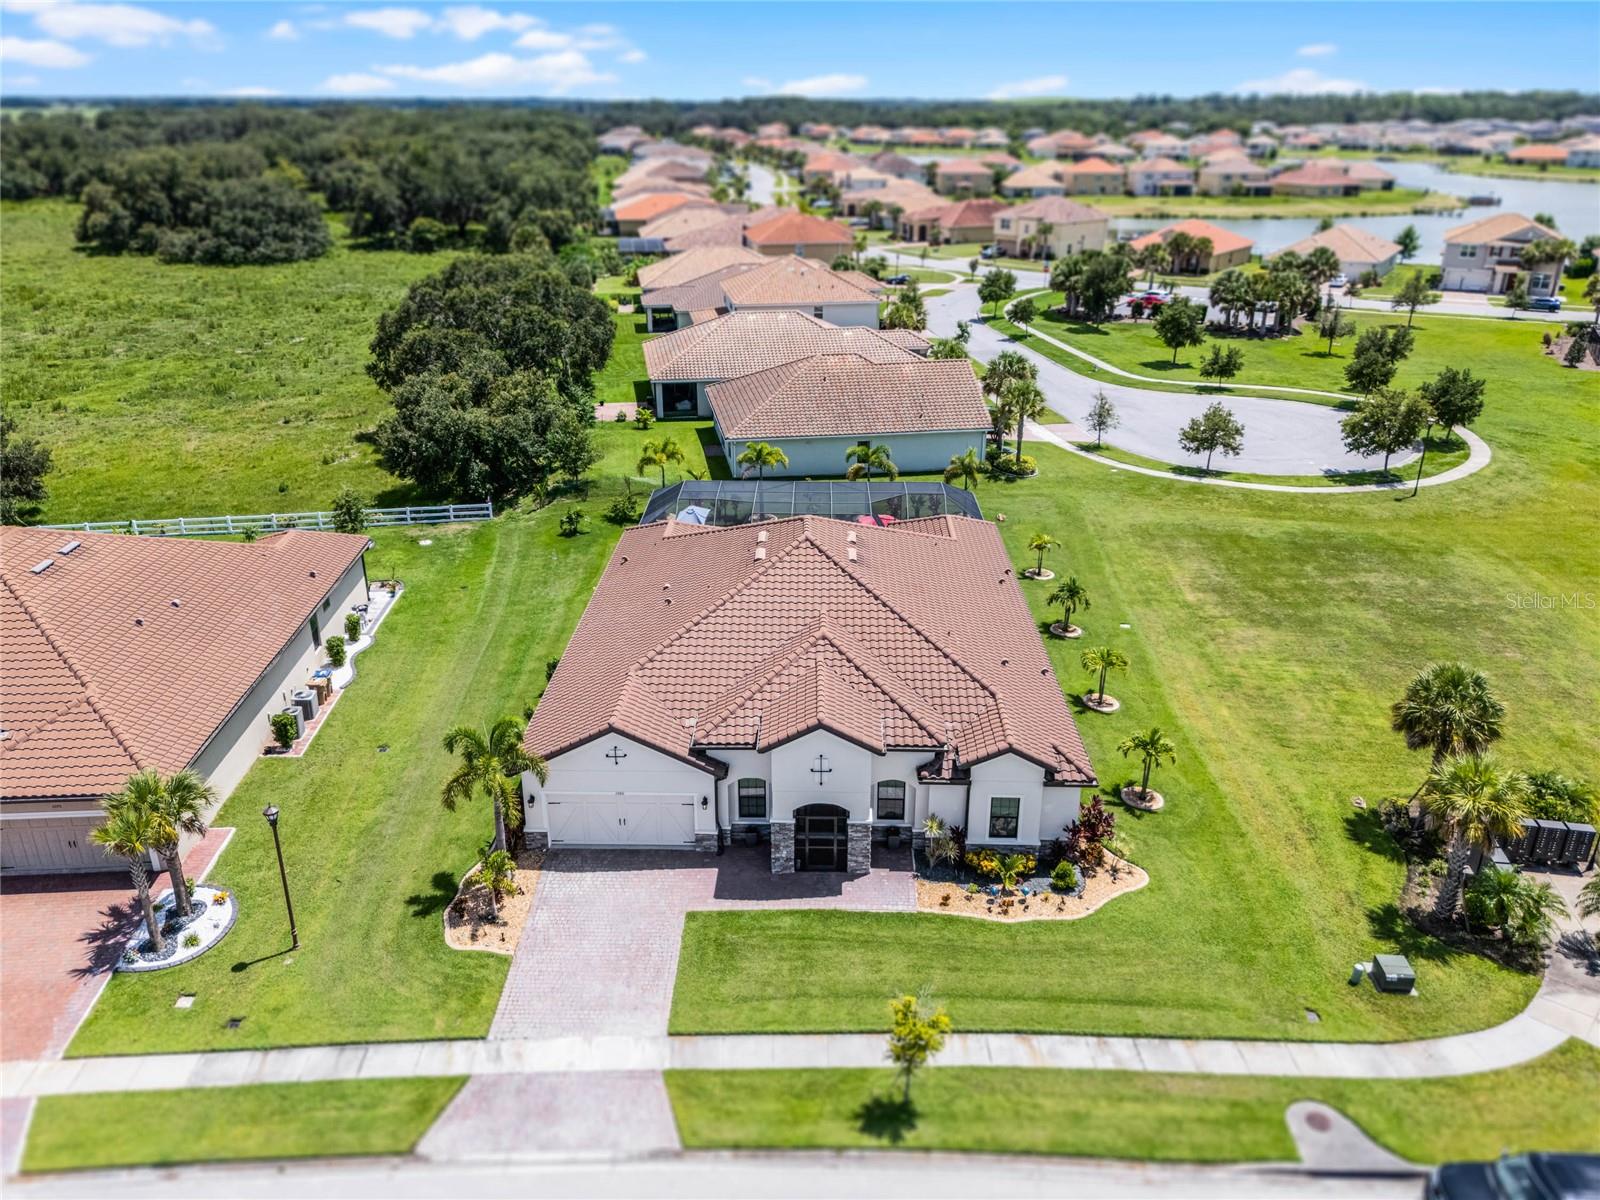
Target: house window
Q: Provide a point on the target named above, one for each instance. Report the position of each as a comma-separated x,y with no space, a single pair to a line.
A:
1539,283
817,312
752,799
892,800
1003,814
1468,251
1005,222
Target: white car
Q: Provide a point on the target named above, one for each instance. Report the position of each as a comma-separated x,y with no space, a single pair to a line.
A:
1338,281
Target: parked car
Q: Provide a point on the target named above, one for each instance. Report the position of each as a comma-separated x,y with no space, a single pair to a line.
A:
1518,1177
1338,281
989,252
1545,304
898,280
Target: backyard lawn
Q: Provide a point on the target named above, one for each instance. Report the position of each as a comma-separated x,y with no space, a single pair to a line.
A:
1543,1105
262,1121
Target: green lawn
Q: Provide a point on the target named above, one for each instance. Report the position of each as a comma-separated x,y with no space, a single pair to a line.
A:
1543,1105
1441,457
1268,636
262,1121
167,390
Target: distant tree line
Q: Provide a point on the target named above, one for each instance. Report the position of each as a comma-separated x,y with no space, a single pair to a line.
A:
248,183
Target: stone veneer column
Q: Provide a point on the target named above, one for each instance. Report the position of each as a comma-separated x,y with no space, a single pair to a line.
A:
535,841
858,852
782,847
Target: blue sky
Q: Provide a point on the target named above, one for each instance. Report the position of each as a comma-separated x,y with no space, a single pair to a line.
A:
751,47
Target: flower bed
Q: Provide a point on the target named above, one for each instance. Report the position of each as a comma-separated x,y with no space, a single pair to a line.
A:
213,910
1114,878
471,924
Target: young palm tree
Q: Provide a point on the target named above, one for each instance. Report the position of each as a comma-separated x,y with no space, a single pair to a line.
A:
758,456
180,801
1042,233
498,874
1071,596
1589,898
1477,802
866,459
1525,910
132,831
1152,746
1023,402
1448,709
658,454
964,467
1041,544
491,761
1103,659
1010,867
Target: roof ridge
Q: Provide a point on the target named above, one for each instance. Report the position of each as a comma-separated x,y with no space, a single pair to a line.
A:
115,730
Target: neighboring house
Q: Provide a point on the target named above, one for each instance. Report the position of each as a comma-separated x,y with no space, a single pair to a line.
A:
963,177
1584,152
622,139
1164,147
1538,155
1315,179
688,219
1073,228
871,135
681,365
729,231
657,174
991,138
694,264
1114,152
631,214
925,411
1092,176
801,234
1358,250
808,679
1227,249
772,129
799,285
674,307
1485,256
861,179
125,653
1160,176
999,158
1261,145
1232,174
958,136
962,221
879,203
1063,143
1041,179
827,166
1370,177
897,165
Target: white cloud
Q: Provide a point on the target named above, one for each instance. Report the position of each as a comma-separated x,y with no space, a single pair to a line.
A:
598,37
391,22
837,84
756,82
356,84
556,73
250,91
1044,85
18,81
284,31
1317,50
544,39
470,22
632,56
40,53
115,24
1301,81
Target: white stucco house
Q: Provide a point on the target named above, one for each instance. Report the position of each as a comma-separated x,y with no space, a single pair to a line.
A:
804,679
122,654
1358,250
1486,256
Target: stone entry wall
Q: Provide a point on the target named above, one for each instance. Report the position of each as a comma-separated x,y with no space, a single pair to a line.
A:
858,851
782,847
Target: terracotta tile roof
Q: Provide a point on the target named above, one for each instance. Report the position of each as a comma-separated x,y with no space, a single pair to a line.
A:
698,295
1497,228
1313,175
1058,210
907,193
800,229
130,652
999,158
744,342
844,395
685,220
964,166
1538,153
728,232
1045,174
790,280
651,204
961,214
693,264
830,161
691,643
1163,165
906,339
1093,166
1350,243
1370,172
864,281
1222,241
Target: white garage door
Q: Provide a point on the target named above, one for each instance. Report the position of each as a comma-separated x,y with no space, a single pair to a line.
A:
48,845
620,819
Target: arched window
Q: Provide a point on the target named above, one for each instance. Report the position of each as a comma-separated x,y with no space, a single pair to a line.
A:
891,800
752,799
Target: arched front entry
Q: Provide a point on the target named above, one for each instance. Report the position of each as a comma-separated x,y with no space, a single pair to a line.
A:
821,838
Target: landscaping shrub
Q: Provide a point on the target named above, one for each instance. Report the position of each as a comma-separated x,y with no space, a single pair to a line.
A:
1064,878
1085,842
352,627
350,511
1009,464
621,511
284,728
336,654
986,862
643,418
572,522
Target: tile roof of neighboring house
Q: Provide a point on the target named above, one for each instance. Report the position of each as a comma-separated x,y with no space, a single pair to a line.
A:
864,281
691,642
999,158
964,166
704,294
660,169
906,193
1314,175
1538,153
862,177
743,342
686,219
1058,210
830,161
1115,150
693,264
800,229
130,652
1045,174
1350,243
1496,228
906,339
894,164
1091,166
652,187
652,204
791,280
1368,171
844,395
1222,241
960,214
728,232
1163,165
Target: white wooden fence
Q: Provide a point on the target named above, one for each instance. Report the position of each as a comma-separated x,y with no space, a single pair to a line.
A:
417,514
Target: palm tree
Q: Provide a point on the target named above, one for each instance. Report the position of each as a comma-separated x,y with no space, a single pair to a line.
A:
1023,402
1200,251
491,761
964,467
1010,868
1041,544
1591,293
1004,367
1448,709
498,874
1321,265
132,830
1525,910
1230,292
1179,246
1589,898
1103,659
1150,260
1152,746
760,456
866,459
658,454
1071,596
1477,803
1042,232
180,801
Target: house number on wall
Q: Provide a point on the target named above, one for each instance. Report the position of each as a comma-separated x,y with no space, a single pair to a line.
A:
822,768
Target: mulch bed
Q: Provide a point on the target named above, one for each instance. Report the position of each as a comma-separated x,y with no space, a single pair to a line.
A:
469,923
1095,889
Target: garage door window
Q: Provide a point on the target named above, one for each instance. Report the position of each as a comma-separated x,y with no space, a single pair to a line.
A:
1003,813
891,800
752,799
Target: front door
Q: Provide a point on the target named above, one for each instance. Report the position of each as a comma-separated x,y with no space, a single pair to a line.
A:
821,838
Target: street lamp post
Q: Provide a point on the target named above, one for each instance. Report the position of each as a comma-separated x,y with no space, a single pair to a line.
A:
270,812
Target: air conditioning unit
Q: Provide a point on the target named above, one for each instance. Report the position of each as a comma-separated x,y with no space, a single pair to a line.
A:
306,700
293,710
